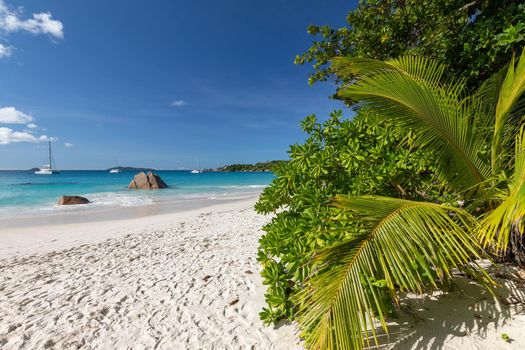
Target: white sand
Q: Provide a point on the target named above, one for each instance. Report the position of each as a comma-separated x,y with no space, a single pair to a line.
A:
181,281
466,318
190,281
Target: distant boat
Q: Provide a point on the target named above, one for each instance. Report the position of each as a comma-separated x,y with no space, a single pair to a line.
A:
116,169
196,171
48,169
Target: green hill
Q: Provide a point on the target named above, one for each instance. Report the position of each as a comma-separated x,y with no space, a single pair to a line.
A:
257,167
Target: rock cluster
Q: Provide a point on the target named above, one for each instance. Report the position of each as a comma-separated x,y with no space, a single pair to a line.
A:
147,181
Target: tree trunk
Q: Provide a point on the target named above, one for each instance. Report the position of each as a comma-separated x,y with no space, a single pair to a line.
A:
516,250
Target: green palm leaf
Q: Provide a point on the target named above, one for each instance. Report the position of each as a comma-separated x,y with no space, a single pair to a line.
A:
409,91
415,67
497,226
404,245
508,108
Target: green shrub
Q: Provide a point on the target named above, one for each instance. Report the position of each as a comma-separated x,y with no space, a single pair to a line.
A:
340,156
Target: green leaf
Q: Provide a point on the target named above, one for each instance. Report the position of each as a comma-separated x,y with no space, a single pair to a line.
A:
335,312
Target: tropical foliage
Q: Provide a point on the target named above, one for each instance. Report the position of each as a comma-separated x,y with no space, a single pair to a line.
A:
402,246
343,288
353,157
430,170
410,92
471,37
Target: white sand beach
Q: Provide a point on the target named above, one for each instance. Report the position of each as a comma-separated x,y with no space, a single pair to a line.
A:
177,281
190,280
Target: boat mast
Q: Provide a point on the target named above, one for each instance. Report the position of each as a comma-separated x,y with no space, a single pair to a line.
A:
50,164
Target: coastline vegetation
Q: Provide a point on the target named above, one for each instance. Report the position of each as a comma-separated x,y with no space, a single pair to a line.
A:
428,176
257,167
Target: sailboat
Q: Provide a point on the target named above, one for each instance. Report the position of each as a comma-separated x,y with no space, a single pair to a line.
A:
50,168
196,170
116,169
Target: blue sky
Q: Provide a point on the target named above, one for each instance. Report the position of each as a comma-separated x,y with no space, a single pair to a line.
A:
157,83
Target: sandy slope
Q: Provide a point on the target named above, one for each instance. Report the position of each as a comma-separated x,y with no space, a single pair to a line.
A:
188,285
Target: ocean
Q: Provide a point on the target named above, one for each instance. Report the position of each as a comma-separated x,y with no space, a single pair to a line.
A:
25,194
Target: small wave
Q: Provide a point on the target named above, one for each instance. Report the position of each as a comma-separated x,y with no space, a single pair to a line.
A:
116,199
104,199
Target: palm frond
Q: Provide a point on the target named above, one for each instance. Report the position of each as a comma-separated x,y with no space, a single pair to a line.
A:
496,227
509,107
408,91
487,95
404,246
488,92
416,67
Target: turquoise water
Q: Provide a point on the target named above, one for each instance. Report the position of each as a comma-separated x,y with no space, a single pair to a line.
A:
25,193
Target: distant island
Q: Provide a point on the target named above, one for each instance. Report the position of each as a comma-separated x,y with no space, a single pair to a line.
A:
248,168
129,168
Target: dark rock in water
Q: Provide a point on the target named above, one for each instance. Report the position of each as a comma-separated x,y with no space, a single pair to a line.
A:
148,181
72,200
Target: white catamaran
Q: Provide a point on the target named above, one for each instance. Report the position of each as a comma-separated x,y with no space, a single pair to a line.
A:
49,169
196,170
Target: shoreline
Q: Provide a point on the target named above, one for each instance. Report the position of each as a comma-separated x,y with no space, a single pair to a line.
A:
22,236
83,213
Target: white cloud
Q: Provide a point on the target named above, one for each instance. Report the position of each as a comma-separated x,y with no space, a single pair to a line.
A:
8,136
5,51
10,115
68,145
41,23
178,103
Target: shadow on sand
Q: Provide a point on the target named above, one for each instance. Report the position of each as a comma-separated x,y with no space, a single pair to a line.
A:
430,322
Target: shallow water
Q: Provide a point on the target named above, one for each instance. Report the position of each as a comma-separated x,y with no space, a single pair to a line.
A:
23,193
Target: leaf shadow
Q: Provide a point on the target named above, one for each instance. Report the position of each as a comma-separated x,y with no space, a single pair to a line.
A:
431,321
